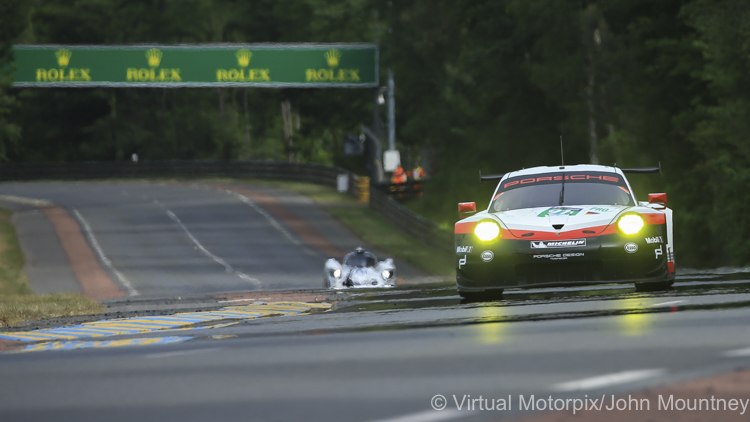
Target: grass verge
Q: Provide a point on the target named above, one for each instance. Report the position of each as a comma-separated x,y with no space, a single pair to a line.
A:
371,227
17,302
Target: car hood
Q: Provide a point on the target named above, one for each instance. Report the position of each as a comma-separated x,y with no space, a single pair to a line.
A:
566,218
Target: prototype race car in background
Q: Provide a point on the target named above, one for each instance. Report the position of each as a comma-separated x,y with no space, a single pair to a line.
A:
360,269
556,226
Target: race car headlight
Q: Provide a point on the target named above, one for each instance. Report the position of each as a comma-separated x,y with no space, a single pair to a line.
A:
487,230
386,274
630,223
336,273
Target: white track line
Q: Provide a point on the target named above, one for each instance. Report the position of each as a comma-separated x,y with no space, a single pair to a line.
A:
427,416
228,268
674,302
738,353
90,234
274,222
608,379
24,200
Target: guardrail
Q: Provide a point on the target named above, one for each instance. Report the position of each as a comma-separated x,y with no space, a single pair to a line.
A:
410,222
303,172
413,224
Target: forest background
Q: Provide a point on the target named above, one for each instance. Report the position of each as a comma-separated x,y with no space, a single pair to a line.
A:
485,85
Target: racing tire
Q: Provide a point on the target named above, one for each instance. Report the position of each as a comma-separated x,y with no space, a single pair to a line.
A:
654,286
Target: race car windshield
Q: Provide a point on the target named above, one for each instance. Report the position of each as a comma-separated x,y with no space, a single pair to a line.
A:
548,195
360,260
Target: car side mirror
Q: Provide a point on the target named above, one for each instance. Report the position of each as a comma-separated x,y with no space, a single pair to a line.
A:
657,200
466,208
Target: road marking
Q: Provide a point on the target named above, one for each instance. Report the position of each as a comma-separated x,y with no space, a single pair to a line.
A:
24,200
125,282
228,268
179,353
274,222
738,353
72,345
608,379
427,416
674,302
164,323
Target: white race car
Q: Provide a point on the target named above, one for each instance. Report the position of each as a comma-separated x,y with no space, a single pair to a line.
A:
360,269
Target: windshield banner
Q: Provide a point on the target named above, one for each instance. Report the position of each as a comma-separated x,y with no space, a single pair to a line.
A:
558,178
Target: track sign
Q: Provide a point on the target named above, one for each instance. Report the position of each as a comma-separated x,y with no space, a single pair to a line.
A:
391,160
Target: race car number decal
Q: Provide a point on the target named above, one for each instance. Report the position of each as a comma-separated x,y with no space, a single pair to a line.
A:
560,211
544,244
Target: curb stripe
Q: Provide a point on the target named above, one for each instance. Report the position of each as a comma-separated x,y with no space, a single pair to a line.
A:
183,321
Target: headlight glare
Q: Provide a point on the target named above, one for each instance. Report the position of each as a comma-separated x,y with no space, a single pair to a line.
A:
386,274
336,273
630,223
487,230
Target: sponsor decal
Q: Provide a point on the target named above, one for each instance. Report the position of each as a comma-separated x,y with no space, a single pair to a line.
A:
552,177
544,244
464,249
560,211
658,252
631,247
462,262
559,256
487,256
600,209
655,239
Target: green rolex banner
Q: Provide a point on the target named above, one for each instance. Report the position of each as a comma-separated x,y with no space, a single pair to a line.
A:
207,65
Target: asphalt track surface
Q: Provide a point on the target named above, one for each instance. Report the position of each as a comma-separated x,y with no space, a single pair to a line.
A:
172,239
377,356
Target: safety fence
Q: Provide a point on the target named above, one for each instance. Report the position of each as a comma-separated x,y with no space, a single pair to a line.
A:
380,201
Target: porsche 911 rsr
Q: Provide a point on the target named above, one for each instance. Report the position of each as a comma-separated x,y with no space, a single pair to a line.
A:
359,269
569,225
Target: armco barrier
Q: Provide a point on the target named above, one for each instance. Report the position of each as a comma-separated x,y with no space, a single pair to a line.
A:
413,224
410,222
314,173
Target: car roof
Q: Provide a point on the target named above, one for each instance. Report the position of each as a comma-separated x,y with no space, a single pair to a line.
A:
564,169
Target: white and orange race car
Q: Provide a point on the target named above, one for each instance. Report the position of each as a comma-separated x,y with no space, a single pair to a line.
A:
566,225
